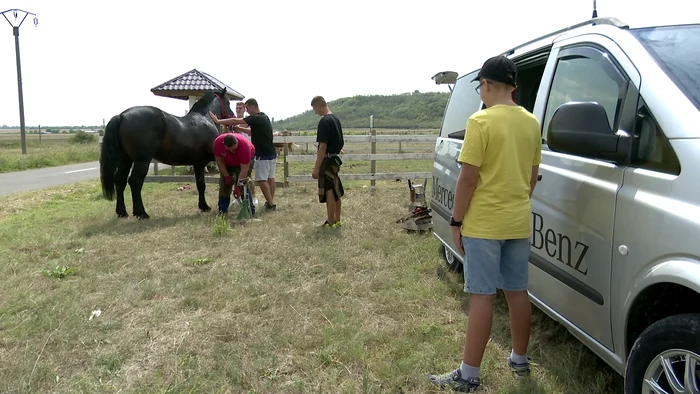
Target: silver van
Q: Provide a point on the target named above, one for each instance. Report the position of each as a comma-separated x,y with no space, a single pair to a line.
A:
615,253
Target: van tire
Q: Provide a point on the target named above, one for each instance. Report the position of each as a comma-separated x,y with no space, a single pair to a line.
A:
675,332
453,264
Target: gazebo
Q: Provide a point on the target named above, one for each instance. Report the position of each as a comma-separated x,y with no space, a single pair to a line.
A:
192,85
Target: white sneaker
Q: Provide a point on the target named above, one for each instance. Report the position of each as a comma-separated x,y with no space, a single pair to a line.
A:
255,202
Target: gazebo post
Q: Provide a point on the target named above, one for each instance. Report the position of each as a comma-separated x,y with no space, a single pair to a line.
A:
193,99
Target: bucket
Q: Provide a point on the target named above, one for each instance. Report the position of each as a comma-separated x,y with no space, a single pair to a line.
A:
420,193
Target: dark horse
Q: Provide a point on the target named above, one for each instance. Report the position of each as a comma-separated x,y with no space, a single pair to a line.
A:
141,134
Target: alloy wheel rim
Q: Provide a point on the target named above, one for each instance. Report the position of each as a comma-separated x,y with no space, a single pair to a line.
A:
674,371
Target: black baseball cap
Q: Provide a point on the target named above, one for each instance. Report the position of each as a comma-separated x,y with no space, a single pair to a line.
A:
499,69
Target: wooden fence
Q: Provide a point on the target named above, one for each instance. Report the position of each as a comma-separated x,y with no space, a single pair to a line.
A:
372,139
372,157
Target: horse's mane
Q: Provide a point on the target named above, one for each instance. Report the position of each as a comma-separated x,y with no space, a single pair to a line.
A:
201,105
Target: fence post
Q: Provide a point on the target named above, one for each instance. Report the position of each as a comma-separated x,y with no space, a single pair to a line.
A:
373,150
286,165
155,168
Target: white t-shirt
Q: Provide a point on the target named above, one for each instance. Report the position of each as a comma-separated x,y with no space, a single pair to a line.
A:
246,135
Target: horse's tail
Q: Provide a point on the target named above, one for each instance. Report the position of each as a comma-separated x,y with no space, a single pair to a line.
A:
109,157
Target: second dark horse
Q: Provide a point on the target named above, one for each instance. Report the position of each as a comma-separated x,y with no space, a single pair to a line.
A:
141,134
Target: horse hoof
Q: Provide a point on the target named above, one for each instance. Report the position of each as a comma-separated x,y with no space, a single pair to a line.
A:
142,216
122,215
206,208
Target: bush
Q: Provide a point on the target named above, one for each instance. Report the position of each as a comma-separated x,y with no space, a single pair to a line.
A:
81,137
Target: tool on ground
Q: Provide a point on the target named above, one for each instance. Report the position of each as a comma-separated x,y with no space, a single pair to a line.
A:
247,208
420,217
417,193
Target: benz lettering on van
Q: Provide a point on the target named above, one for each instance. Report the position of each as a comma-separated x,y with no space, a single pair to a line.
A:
442,195
558,245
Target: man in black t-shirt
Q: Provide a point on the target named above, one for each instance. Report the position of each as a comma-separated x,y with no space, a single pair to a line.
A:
329,137
260,130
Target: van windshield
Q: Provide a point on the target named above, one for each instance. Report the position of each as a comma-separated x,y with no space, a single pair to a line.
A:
675,48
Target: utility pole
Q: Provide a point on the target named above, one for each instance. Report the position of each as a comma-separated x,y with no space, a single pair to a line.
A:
15,32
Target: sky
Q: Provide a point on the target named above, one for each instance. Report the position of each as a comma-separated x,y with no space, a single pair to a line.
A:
89,60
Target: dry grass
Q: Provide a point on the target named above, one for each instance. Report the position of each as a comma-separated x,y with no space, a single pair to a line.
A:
273,306
53,150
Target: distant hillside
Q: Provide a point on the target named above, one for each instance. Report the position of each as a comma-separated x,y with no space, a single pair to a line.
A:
402,111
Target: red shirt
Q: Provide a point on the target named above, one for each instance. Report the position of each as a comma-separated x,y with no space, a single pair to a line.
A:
243,154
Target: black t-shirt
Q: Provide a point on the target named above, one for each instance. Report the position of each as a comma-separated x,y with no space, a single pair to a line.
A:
261,135
331,132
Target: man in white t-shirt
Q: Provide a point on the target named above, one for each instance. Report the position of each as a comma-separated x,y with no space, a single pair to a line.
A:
245,131
240,113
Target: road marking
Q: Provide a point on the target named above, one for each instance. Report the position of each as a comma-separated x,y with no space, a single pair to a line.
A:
84,169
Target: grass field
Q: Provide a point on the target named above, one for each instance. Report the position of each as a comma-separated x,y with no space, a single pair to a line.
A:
48,150
52,150
190,305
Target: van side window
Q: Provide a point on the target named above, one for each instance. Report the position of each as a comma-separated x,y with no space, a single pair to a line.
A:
579,78
464,101
652,149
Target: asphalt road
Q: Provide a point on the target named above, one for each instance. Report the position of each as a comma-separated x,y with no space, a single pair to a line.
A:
21,181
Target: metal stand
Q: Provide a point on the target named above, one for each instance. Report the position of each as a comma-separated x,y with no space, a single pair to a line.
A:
247,211
420,218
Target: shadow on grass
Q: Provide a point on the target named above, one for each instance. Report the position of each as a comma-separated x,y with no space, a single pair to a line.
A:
551,338
131,225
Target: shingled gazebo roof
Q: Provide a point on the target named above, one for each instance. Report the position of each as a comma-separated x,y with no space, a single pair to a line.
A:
194,83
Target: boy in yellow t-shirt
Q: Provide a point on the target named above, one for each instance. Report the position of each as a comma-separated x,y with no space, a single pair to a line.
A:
491,219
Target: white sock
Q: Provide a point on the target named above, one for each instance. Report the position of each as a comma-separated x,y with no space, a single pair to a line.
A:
517,358
468,371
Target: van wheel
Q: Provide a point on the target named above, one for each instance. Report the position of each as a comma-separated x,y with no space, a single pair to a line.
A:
666,357
453,264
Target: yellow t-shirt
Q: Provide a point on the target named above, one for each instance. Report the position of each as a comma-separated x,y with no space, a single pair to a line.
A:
504,141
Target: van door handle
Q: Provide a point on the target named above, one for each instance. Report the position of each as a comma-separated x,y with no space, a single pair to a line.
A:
539,177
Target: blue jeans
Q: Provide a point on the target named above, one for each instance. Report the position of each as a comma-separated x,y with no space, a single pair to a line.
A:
491,264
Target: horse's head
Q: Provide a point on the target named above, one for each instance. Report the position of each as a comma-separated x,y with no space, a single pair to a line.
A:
215,102
225,110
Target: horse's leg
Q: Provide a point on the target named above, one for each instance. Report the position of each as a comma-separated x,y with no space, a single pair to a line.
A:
138,174
201,187
120,183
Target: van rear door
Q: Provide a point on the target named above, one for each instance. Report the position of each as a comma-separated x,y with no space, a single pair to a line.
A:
463,102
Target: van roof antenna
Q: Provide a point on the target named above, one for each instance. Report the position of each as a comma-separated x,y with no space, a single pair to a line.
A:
595,11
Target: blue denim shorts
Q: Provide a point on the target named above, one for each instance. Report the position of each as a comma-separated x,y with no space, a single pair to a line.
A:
491,264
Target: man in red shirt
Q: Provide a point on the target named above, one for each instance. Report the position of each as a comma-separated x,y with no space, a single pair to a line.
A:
233,153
